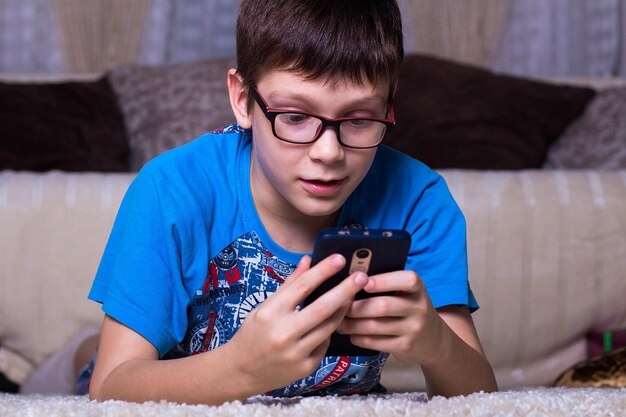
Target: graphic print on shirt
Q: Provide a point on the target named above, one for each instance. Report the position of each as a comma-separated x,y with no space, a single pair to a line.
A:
240,278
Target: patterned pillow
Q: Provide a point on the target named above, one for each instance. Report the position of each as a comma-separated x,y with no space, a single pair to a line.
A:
606,370
167,106
597,140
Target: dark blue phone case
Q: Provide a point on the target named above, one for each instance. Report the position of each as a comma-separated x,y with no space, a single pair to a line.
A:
388,251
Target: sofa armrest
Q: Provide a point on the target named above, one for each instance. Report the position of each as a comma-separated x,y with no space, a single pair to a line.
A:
547,255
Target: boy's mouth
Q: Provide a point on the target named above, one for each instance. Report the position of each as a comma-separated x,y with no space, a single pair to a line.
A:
321,188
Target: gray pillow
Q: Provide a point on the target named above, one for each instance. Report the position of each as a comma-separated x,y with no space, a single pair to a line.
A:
597,140
169,105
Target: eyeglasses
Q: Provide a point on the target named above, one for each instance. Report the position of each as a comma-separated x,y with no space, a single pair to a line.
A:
302,128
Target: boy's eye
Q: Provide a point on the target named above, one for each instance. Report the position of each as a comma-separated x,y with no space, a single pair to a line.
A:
360,123
294,118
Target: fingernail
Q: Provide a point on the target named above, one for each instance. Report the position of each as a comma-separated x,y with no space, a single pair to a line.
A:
338,260
361,279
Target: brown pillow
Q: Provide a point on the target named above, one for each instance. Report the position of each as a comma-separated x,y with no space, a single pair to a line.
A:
70,126
168,105
451,115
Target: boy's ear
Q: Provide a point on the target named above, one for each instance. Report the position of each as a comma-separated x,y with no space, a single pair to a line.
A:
393,89
238,99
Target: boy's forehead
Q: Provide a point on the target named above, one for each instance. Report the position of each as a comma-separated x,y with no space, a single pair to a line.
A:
284,79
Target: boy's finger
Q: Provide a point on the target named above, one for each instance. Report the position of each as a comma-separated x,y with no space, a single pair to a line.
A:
376,307
320,334
329,303
307,281
303,266
402,281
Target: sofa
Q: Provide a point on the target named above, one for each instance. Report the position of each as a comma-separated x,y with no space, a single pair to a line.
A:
537,167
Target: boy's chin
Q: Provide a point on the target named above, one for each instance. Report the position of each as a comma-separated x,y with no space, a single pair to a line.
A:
321,210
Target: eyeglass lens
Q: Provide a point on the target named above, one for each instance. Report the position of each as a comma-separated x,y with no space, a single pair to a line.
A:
303,128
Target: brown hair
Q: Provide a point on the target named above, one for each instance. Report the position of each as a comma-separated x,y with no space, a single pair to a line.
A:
357,40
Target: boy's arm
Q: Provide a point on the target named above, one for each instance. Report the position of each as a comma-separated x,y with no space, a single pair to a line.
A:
276,345
128,368
462,367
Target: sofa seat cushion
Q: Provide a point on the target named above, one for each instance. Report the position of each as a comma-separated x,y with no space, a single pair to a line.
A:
546,262
546,252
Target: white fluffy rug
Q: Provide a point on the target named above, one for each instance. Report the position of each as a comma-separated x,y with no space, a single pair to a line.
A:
534,402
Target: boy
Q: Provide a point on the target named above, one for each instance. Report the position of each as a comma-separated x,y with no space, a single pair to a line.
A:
200,268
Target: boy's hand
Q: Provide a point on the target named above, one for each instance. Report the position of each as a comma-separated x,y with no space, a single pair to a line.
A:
405,324
444,342
278,343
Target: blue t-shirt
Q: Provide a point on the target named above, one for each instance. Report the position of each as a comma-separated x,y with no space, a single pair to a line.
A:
188,256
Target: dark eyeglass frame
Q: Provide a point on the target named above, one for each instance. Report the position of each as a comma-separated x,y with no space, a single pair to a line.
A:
271,114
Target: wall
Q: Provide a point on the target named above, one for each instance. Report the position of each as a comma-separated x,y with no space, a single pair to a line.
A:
525,37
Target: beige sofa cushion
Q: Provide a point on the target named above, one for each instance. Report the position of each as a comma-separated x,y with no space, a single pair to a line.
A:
547,263
53,230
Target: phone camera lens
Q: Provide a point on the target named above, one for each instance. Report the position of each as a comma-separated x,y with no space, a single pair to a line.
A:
362,253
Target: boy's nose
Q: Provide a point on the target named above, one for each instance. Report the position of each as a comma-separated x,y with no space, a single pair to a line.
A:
327,147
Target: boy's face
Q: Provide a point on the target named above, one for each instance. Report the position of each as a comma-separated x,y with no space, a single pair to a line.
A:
290,180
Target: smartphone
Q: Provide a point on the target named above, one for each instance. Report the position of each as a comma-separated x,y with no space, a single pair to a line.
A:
372,251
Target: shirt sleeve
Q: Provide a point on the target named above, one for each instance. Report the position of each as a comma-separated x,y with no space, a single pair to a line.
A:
439,246
139,280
